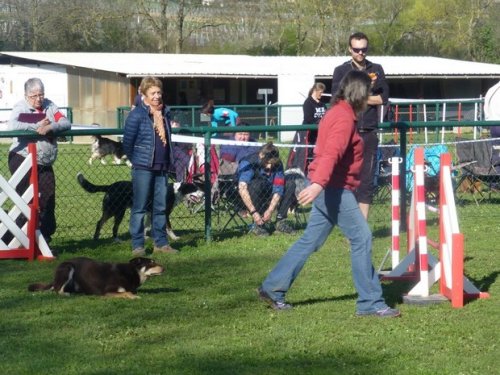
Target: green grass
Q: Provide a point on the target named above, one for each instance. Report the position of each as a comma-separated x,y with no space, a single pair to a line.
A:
202,316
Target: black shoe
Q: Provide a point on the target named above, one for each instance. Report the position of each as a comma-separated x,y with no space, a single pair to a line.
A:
275,305
283,227
259,231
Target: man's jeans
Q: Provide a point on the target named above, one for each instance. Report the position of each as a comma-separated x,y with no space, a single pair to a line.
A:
332,207
144,183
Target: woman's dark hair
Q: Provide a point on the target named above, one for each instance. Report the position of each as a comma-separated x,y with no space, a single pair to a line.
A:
358,36
208,107
269,155
354,89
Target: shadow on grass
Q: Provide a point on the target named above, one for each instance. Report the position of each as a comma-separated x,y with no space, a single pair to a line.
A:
344,360
187,239
381,232
313,301
75,246
230,233
486,282
393,291
160,290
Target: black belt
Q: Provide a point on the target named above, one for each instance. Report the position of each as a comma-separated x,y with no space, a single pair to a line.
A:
364,130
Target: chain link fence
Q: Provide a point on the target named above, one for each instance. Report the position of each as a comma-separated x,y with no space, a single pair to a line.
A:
79,210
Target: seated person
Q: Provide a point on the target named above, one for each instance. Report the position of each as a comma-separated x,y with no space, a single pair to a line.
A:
231,155
262,189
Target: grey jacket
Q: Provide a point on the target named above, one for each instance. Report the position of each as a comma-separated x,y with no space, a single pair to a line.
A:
46,146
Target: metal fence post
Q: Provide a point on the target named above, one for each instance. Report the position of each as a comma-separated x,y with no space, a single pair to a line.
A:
208,187
403,128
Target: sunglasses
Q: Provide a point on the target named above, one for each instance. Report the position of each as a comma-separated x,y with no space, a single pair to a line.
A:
358,50
268,170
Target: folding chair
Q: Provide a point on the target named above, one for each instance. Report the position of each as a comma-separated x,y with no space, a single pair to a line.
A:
432,155
383,173
196,173
229,202
480,167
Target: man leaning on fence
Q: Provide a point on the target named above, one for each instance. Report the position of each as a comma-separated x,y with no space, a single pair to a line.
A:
261,185
38,114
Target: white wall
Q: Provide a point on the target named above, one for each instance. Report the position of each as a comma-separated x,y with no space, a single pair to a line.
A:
12,79
293,89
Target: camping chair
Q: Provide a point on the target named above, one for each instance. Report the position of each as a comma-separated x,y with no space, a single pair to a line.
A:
432,156
196,173
383,173
229,202
480,167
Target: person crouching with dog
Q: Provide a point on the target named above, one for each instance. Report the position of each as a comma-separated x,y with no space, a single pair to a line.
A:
263,189
147,143
334,176
39,114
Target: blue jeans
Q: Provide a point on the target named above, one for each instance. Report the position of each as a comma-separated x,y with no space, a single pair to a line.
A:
332,207
149,187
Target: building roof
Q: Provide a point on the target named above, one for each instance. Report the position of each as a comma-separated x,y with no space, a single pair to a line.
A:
243,66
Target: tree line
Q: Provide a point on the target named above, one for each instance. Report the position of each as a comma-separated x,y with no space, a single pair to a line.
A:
462,29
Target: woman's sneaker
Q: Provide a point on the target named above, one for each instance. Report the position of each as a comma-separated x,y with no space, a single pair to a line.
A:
383,313
165,249
275,305
138,252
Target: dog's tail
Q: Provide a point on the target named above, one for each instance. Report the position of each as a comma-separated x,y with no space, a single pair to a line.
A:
89,186
39,287
300,184
298,177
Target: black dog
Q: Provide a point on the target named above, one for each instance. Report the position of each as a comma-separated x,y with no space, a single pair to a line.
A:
87,276
300,181
102,147
118,197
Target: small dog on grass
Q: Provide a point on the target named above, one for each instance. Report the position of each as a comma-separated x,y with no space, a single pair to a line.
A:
87,276
101,147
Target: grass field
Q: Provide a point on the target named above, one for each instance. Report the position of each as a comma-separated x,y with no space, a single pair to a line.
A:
202,316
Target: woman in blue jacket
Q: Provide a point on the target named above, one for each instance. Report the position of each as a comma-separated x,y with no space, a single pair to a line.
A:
147,144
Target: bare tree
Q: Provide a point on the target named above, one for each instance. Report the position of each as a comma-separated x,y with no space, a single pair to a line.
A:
453,28
390,26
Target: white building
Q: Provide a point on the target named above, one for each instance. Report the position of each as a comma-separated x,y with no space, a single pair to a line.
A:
95,84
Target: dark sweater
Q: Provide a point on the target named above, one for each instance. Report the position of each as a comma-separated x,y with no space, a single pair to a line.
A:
369,119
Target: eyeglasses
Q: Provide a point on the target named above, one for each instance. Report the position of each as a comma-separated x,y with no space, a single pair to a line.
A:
359,50
39,96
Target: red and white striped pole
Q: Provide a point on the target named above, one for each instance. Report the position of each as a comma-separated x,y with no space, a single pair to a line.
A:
396,220
453,284
421,256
